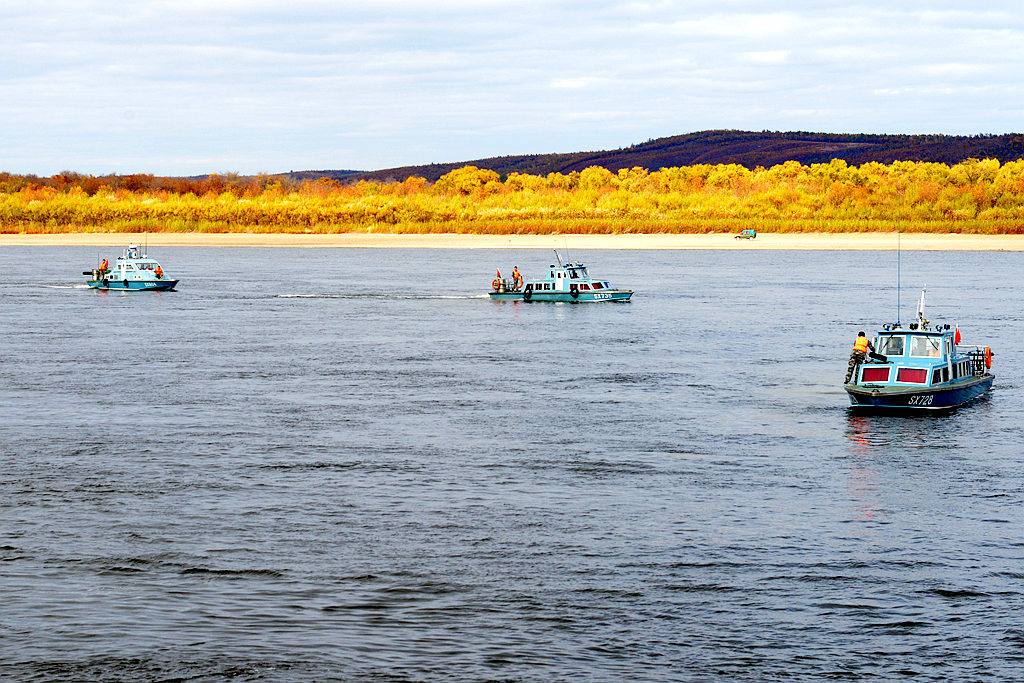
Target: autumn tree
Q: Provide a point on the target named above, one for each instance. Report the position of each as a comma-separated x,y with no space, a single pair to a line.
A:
467,180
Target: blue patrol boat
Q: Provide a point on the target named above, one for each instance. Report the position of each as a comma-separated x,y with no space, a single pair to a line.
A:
133,271
570,282
920,368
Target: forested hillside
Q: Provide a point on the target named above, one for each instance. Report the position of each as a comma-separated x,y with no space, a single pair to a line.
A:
748,149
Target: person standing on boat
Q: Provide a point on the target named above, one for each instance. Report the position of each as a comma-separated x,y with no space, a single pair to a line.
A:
861,346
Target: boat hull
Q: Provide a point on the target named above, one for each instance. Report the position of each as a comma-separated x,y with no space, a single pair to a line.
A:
584,296
133,285
943,397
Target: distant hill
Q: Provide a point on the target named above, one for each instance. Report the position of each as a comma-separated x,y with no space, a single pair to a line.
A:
725,147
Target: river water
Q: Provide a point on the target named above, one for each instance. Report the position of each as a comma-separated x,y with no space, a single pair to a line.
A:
349,464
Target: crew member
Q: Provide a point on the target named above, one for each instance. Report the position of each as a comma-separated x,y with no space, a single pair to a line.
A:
105,265
159,272
517,279
860,350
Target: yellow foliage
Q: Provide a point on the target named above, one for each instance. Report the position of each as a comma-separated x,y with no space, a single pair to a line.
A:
973,196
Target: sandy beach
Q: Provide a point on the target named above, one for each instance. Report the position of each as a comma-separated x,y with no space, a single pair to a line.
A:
793,241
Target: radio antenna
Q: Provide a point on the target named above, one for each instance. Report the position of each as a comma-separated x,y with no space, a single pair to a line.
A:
898,268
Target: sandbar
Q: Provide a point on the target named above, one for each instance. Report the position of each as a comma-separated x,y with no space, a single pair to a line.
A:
866,241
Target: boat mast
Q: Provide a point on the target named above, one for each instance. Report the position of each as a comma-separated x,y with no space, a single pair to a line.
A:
899,252
898,264
922,323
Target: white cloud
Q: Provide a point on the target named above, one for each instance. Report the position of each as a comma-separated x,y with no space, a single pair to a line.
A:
574,83
178,86
768,56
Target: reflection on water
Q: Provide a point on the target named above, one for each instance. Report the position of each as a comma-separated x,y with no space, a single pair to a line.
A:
901,431
862,476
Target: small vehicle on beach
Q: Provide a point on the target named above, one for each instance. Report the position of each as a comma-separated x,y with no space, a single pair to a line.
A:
747,235
569,282
920,368
133,271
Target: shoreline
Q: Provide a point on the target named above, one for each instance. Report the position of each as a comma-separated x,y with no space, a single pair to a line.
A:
872,241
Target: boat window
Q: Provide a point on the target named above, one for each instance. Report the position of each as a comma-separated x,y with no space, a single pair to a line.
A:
598,285
925,347
128,266
875,374
891,345
547,285
583,273
529,286
915,375
584,286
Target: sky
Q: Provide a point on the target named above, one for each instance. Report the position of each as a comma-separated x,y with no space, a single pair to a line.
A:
187,87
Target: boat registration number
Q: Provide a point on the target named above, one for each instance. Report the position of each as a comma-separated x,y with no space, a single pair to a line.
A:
602,296
920,400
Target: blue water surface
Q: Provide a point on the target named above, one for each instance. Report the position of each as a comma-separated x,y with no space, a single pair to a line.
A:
350,464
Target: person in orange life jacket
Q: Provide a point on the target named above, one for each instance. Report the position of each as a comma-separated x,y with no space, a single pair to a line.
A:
159,272
860,349
105,265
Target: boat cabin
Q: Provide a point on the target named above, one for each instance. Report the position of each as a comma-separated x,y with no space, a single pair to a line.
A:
917,357
565,278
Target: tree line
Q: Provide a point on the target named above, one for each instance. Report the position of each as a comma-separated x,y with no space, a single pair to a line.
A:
975,196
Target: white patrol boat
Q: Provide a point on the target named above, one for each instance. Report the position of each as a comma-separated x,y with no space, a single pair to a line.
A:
133,271
570,282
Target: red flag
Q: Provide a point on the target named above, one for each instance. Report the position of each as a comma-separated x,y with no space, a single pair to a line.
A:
956,335
499,271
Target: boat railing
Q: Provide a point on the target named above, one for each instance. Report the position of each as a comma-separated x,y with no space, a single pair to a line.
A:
980,359
507,285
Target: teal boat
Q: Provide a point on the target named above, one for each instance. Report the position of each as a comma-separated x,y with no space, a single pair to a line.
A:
569,282
921,368
133,271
